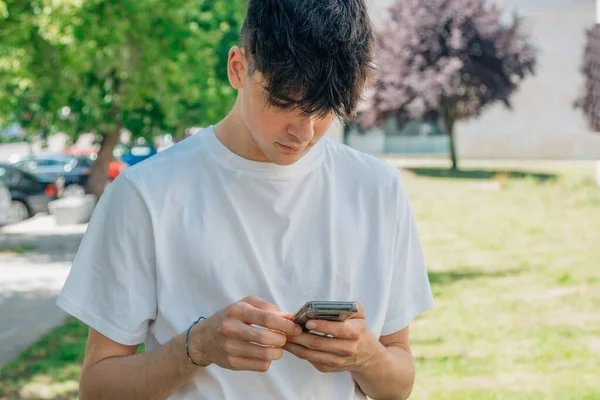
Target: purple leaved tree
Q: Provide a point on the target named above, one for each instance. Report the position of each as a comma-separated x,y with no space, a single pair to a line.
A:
446,59
590,101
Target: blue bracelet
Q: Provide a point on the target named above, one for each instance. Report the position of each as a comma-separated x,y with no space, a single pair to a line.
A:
187,337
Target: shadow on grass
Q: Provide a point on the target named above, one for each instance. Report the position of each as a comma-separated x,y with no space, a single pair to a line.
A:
443,359
55,358
482,174
449,277
51,366
457,365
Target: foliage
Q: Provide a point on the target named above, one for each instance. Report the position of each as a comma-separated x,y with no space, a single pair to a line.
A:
150,65
101,65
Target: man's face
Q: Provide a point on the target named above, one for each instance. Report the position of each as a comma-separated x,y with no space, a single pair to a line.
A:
282,134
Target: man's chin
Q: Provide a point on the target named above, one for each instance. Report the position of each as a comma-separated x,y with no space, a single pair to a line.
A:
285,159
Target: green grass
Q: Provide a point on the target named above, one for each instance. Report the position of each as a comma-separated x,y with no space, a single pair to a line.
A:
48,369
514,262
515,268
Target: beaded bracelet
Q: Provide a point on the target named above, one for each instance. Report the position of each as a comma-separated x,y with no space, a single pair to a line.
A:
187,337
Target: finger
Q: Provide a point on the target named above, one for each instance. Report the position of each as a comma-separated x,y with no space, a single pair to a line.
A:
261,304
243,349
315,356
285,314
337,329
269,320
247,364
241,331
341,347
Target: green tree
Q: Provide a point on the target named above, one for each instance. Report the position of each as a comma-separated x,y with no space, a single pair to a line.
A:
104,65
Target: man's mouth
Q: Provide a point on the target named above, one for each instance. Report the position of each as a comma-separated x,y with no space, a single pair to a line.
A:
289,149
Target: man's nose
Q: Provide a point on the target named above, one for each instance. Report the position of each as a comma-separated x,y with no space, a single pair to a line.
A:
303,129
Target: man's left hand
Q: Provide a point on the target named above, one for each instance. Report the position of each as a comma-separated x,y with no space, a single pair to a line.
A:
351,348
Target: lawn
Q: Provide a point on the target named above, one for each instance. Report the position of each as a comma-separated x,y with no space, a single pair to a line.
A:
514,261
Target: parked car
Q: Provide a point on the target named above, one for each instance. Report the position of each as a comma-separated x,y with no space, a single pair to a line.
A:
30,194
135,153
114,168
71,173
5,201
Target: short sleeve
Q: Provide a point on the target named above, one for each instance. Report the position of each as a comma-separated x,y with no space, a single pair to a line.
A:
112,284
410,293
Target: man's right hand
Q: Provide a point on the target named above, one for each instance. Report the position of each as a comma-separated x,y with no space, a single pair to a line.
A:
229,340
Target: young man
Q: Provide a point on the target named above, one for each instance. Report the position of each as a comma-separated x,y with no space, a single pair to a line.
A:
245,222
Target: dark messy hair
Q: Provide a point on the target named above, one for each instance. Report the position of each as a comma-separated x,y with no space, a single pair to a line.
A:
314,55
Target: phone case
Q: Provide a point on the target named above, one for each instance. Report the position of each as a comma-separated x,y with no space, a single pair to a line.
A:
325,310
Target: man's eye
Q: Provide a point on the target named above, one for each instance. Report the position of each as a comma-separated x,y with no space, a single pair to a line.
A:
283,106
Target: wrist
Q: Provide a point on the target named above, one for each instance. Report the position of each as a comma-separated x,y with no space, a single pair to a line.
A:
196,346
375,355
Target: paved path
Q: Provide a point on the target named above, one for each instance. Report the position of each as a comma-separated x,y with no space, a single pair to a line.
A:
35,257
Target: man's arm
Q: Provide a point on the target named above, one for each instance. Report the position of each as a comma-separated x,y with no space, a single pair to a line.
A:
383,368
227,339
390,374
112,370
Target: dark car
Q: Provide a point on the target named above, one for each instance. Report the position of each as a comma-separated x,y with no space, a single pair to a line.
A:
70,172
89,155
30,193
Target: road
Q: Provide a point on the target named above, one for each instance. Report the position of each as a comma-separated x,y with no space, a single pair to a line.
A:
35,257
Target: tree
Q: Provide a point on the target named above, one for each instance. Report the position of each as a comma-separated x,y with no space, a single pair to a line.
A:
106,65
590,101
448,60
27,63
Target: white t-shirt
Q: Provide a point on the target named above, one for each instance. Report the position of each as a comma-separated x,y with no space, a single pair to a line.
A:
197,227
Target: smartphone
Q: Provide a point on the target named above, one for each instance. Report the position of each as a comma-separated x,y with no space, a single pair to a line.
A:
325,310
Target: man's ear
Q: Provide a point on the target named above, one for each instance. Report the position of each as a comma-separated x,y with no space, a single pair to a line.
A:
237,67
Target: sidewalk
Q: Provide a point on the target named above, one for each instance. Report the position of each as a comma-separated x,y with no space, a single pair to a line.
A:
35,257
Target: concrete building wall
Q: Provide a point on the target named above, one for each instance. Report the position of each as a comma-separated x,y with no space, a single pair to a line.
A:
543,122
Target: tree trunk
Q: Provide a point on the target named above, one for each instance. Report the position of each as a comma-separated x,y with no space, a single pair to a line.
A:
99,173
453,151
449,120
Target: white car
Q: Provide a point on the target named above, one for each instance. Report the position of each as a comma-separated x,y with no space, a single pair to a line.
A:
5,202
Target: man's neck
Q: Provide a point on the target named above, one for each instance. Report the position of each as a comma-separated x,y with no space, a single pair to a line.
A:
233,134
